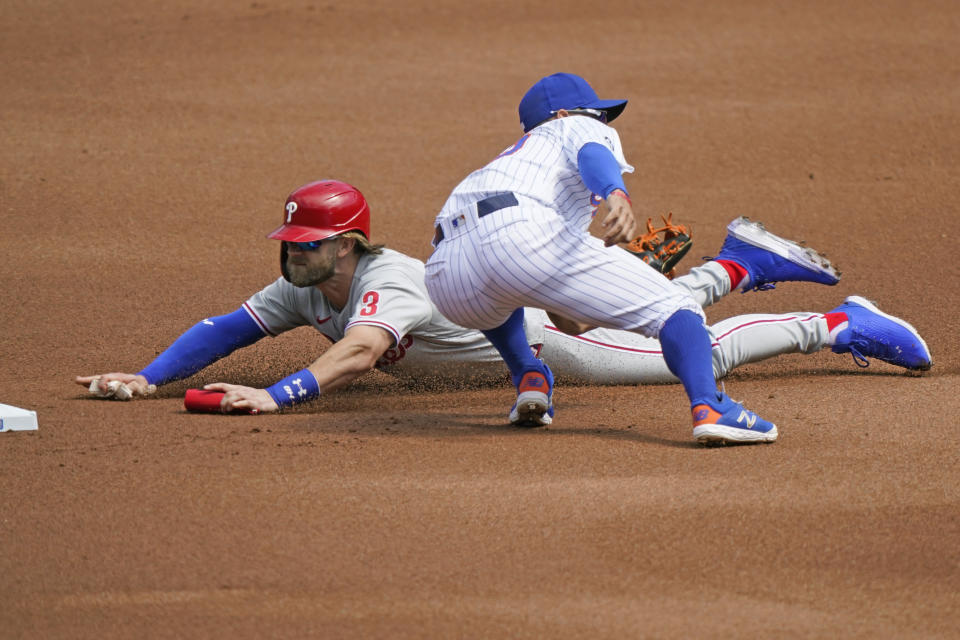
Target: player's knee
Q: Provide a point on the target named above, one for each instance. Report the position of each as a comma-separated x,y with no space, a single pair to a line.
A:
685,311
684,301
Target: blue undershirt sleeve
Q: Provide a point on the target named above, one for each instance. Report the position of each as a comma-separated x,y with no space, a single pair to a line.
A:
202,345
599,169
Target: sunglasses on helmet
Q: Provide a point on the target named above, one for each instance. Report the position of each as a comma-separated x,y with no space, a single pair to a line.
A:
313,245
597,114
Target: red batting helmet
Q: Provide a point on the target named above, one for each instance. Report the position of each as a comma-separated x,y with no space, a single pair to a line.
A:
323,209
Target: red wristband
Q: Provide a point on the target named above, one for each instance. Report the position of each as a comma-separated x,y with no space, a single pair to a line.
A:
622,194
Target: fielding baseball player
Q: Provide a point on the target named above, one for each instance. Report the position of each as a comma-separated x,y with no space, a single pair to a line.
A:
372,303
515,233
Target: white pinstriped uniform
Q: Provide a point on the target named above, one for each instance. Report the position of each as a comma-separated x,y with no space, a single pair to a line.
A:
540,252
388,292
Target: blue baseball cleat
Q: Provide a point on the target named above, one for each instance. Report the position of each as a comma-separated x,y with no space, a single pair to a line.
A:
768,258
534,405
725,421
871,333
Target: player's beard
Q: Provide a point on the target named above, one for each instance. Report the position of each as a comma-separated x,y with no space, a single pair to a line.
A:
307,275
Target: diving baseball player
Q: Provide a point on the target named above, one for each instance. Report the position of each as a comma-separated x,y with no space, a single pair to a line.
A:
372,304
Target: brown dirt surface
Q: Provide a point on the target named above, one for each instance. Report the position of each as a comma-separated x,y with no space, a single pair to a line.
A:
148,149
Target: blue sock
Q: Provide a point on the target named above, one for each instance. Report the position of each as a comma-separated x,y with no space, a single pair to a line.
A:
687,352
511,341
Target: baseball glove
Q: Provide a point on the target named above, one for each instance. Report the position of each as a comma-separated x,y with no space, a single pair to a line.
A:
662,248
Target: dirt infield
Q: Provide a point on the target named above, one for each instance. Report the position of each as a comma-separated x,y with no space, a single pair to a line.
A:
149,147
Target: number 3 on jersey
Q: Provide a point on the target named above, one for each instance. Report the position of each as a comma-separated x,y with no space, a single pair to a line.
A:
370,300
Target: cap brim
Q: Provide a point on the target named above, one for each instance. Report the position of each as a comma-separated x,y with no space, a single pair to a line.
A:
296,233
613,107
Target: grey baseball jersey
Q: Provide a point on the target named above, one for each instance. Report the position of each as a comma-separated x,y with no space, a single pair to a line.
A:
539,252
388,292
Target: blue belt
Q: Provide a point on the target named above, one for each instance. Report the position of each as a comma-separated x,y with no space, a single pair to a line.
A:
484,208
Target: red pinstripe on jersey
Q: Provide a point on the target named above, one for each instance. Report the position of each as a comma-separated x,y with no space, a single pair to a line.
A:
258,320
376,323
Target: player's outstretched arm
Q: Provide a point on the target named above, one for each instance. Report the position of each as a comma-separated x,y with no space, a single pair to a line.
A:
348,359
201,345
345,361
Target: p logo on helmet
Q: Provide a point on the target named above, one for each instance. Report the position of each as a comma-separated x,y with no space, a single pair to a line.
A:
320,210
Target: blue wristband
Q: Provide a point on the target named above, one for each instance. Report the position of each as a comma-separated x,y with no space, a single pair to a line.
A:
294,389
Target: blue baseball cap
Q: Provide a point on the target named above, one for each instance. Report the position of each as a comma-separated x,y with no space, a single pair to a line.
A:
563,91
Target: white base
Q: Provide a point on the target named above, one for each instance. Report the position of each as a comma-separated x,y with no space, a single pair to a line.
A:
16,419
